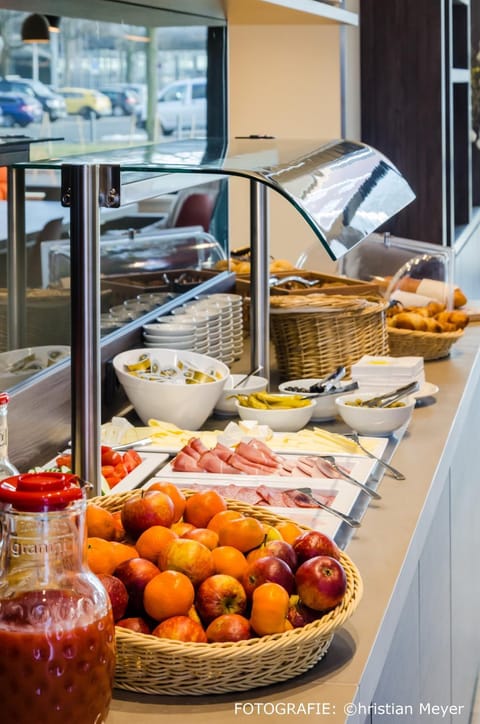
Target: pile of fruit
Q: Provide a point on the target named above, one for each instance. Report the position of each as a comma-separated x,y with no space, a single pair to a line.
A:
188,568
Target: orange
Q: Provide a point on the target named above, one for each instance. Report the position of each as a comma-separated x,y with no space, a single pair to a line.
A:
219,519
100,555
208,537
100,522
255,553
242,533
120,533
152,541
202,506
289,530
167,594
178,498
229,560
122,552
269,609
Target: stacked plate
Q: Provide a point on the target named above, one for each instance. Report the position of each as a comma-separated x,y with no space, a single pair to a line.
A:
211,325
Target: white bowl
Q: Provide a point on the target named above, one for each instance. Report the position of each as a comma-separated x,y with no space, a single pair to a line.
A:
374,420
42,358
226,401
289,419
186,406
325,407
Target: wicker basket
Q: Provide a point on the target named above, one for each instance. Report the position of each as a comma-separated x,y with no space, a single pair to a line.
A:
429,345
149,665
313,335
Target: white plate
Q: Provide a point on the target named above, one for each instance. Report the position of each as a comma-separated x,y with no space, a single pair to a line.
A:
427,389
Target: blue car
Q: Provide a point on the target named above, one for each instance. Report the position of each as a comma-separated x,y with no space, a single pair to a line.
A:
19,110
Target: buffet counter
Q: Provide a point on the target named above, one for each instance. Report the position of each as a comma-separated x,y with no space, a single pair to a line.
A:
411,650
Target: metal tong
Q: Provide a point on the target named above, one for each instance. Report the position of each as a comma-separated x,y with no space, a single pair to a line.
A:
395,473
352,522
389,398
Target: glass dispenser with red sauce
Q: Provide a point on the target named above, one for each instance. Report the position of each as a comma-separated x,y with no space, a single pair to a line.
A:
57,635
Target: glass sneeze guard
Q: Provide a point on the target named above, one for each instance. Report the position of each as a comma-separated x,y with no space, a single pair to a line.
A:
343,189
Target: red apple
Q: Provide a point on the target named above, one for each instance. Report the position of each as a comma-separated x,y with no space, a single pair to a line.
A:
117,594
134,623
189,557
220,594
321,582
151,507
180,628
229,627
299,614
135,573
314,543
282,549
268,569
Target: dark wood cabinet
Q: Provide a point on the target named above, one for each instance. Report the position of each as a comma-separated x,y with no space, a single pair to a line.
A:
416,108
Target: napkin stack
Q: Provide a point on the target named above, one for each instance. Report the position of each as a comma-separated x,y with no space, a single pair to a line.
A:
382,374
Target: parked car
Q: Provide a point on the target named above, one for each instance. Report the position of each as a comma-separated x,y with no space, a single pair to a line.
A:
20,109
52,103
182,105
124,101
86,102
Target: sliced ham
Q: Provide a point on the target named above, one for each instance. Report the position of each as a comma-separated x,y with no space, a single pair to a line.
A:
184,463
258,456
197,445
211,463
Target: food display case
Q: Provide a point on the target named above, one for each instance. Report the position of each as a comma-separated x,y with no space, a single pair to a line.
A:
342,189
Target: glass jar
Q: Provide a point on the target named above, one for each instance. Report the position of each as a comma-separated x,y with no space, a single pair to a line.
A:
57,635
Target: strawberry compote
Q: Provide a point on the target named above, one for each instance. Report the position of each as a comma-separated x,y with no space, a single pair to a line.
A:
61,671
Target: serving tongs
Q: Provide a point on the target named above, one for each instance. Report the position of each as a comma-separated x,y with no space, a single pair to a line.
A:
389,398
348,519
280,282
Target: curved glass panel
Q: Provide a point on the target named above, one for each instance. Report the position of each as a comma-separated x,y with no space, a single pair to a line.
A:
343,189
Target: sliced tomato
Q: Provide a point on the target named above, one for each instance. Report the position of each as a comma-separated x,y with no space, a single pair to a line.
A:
110,456
64,460
112,480
108,470
131,460
121,470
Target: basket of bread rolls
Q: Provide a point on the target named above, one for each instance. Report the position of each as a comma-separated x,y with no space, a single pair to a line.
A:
425,330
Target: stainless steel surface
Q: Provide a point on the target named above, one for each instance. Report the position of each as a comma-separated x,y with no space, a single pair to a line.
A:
345,476
260,262
134,444
395,473
85,311
16,259
352,522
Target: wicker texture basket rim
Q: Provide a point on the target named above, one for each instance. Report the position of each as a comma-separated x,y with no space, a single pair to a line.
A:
237,661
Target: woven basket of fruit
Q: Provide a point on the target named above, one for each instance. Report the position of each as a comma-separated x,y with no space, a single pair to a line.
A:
273,637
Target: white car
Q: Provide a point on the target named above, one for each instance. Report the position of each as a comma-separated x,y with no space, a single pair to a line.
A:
182,106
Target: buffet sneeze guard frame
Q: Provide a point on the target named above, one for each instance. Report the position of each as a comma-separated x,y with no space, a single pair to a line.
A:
343,189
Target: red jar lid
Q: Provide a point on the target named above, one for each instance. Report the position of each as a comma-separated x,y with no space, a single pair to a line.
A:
40,492
4,398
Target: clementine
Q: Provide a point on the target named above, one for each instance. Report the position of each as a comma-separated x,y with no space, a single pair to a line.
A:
219,519
100,522
289,530
169,593
152,541
242,533
202,506
269,609
123,552
229,560
100,555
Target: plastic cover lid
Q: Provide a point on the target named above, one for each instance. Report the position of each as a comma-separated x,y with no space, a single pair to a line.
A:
40,492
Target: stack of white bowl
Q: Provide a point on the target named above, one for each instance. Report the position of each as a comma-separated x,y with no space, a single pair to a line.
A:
211,325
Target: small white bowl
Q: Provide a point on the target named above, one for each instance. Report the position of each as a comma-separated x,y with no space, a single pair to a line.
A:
226,402
381,421
325,407
288,419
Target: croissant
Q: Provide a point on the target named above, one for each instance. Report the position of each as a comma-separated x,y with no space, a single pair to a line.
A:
408,320
457,318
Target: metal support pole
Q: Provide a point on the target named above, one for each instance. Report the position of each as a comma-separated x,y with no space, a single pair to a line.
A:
81,183
260,265
17,259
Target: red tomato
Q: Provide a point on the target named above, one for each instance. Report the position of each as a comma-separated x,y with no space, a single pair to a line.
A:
64,460
131,459
121,470
110,456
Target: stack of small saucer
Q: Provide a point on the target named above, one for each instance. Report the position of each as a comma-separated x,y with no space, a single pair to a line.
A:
381,374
